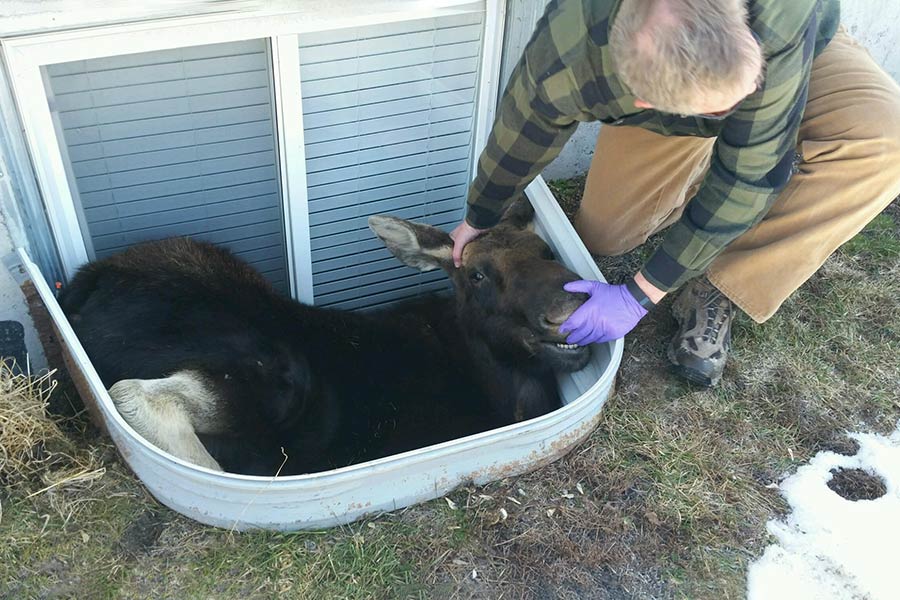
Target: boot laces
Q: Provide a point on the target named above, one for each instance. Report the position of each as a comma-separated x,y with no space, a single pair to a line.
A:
716,315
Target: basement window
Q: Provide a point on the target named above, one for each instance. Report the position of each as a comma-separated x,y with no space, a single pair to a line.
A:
275,136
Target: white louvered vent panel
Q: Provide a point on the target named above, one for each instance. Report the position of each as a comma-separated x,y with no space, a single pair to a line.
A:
175,142
388,115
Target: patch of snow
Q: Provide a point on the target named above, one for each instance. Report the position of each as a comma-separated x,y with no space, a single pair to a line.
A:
830,548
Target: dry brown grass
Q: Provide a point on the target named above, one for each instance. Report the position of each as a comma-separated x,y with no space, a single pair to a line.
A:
36,456
25,429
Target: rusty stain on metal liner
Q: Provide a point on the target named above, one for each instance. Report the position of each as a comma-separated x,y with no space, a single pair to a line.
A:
558,448
58,354
79,380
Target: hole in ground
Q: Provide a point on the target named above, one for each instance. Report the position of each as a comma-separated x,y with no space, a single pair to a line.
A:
840,445
856,484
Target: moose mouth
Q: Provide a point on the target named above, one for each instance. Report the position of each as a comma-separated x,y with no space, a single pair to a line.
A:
566,346
563,348
565,357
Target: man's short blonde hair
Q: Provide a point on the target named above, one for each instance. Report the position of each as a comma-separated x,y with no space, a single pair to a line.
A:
670,52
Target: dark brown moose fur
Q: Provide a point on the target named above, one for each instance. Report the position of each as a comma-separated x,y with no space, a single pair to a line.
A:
328,387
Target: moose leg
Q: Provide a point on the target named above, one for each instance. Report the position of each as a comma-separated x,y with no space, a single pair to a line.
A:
169,413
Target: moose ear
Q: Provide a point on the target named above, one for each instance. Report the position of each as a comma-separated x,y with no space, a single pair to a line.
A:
419,246
519,214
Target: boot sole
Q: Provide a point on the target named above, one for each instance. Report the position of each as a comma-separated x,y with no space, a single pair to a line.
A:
694,376
681,311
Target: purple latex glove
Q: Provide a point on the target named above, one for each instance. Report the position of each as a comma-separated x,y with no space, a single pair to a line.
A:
608,314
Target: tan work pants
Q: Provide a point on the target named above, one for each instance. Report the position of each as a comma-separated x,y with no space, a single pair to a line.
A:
849,142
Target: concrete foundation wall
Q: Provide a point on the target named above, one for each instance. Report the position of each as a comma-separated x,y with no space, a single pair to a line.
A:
874,23
13,308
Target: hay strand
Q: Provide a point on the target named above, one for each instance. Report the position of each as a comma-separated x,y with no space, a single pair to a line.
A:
34,451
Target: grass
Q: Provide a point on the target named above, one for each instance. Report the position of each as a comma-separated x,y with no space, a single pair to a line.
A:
879,241
667,499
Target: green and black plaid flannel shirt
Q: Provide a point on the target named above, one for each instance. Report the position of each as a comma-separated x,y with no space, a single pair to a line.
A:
566,76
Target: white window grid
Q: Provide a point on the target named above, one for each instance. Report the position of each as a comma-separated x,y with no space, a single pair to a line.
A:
25,56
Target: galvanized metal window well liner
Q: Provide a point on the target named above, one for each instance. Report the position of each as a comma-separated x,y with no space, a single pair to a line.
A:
343,495
339,496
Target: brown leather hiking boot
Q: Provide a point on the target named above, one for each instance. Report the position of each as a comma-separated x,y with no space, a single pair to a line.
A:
699,349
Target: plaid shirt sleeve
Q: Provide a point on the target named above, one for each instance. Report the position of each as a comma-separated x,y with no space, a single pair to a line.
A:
753,156
751,162
539,111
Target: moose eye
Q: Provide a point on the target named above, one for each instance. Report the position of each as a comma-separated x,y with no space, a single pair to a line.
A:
476,276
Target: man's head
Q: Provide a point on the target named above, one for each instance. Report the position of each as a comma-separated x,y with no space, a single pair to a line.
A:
686,56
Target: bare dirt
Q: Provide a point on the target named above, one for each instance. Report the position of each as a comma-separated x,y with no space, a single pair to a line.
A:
856,484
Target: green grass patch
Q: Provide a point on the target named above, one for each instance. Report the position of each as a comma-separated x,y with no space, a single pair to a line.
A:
878,241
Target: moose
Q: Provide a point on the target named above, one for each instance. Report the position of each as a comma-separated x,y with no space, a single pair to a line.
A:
205,360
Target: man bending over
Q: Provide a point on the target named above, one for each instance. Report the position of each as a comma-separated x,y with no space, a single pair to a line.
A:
756,132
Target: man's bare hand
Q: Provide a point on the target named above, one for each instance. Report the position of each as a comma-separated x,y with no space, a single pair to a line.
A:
462,235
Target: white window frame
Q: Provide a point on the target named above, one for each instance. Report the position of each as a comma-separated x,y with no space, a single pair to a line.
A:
25,56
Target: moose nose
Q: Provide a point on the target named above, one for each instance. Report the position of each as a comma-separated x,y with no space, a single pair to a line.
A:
561,309
552,304
554,320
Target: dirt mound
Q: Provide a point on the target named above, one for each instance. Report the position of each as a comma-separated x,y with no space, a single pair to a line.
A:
856,484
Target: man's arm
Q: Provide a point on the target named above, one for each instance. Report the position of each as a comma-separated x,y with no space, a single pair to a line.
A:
752,161
539,111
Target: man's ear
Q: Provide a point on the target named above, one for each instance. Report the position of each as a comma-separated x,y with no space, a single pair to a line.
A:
419,246
519,214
